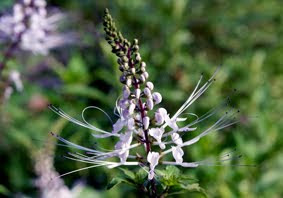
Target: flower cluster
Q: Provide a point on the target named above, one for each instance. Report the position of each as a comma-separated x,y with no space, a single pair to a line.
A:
31,28
140,122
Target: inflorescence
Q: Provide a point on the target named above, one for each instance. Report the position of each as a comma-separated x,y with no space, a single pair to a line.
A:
141,123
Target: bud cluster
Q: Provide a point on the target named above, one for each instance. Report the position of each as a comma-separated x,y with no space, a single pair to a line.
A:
138,93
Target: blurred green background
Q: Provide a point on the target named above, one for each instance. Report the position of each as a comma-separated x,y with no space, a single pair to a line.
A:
179,40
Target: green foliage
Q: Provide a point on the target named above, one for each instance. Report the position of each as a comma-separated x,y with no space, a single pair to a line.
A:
174,182
170,182
179,40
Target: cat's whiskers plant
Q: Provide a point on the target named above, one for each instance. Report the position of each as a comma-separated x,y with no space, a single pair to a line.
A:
136,128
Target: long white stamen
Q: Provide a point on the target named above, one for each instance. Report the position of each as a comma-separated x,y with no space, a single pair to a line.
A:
71,119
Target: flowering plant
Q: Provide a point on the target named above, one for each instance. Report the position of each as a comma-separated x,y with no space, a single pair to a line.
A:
143,126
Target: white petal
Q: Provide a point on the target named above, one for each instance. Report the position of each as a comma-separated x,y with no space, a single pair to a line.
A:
132,108
126,92
171,123
178,154
159,119
152,158
176,139
131,124
118,126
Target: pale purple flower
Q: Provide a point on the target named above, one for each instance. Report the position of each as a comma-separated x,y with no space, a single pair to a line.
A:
123,145
152,158
32,28
177,153
157,134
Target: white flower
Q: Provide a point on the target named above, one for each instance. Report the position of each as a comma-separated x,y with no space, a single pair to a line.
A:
178,153
177,139
171,123
157,134
152,158
124,144
131,123
160,115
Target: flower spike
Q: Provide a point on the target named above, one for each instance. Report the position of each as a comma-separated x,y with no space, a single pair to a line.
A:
140,123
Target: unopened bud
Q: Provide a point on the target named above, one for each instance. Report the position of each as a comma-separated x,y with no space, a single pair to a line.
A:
135,47
123,79
145,75
138,57
132,108
136,41
129,82
145,122
142,78
147,92
133,70
150,85
157,97
125,59
143,64
149,104
143,69
137,93
126,65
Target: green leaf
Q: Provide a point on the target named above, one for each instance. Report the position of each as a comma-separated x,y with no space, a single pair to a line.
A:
128,173
195,188
120,179
115,181
141,176
75,72
170,176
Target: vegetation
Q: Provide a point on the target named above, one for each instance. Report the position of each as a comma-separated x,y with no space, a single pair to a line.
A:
180,41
